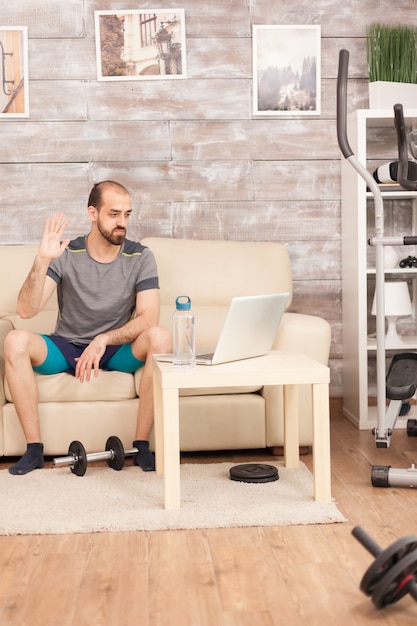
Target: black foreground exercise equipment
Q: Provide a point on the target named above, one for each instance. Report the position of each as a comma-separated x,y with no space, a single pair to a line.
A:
78,459
393,573
254,473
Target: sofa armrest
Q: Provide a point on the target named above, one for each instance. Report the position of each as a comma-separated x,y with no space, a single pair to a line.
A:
5,327
307,334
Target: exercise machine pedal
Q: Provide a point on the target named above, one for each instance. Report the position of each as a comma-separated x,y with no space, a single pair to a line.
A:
401,385
401,380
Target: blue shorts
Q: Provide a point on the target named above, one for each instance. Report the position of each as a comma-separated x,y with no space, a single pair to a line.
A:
62,354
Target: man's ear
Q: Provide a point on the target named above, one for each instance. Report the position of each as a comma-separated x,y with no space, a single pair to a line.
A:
92,213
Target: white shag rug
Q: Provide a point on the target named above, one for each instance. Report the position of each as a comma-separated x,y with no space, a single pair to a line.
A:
55,501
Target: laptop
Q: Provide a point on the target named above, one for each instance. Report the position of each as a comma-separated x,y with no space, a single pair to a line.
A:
248,331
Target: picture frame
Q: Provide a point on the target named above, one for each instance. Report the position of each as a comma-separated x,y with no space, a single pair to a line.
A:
286,70
140,44
14,91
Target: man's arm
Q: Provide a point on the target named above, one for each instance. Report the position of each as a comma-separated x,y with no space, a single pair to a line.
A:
147,315
38,287
35,291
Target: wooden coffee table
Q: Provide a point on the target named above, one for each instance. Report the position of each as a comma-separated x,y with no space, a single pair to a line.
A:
276,368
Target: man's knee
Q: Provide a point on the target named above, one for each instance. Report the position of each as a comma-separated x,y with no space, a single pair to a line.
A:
16,341
161,339
25,343
154,340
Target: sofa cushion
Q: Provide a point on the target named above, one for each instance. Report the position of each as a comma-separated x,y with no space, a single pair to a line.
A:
108,386
212,272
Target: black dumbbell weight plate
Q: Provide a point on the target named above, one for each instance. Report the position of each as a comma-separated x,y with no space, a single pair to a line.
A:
254,473
118,460
395,583
386,561
77,450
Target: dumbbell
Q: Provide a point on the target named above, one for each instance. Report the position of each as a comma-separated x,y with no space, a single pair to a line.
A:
393,573
78,458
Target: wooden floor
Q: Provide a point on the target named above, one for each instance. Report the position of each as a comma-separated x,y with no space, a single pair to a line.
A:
226,577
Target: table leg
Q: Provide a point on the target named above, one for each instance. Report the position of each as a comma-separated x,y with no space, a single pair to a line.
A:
321,443
291,427
158,422
171,448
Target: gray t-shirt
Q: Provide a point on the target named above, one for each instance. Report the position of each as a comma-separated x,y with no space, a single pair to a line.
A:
97,297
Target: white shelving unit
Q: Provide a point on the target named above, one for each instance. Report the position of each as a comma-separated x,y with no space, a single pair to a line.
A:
358,269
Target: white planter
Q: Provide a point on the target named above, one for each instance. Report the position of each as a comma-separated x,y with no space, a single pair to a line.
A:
384,94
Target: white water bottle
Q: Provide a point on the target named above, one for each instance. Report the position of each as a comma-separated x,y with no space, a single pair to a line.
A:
183,332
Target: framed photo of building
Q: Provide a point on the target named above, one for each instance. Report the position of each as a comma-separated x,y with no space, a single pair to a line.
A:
286,70
14,90
140,45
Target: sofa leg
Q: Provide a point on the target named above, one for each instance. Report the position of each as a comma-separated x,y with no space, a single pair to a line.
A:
279,450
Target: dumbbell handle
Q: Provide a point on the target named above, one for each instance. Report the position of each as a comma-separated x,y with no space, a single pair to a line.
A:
362,536
107,455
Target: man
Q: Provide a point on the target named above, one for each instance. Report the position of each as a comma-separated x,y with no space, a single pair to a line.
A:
108,297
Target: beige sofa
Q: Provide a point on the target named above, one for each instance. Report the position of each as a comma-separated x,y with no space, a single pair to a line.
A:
211,273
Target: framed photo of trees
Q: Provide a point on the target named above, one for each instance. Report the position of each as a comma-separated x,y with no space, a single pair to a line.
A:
140,45
14,91
286,70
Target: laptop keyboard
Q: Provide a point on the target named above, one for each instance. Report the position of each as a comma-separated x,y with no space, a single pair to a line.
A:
207,356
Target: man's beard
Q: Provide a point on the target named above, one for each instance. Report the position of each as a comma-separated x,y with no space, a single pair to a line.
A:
114,238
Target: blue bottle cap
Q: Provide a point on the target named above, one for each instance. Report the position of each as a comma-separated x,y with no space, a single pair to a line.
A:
183,306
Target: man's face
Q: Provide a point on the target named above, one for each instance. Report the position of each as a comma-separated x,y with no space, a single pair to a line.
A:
113,217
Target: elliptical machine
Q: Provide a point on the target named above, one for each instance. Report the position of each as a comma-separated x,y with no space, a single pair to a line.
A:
400,384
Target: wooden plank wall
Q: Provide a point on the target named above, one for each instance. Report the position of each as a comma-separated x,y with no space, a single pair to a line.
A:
197,163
